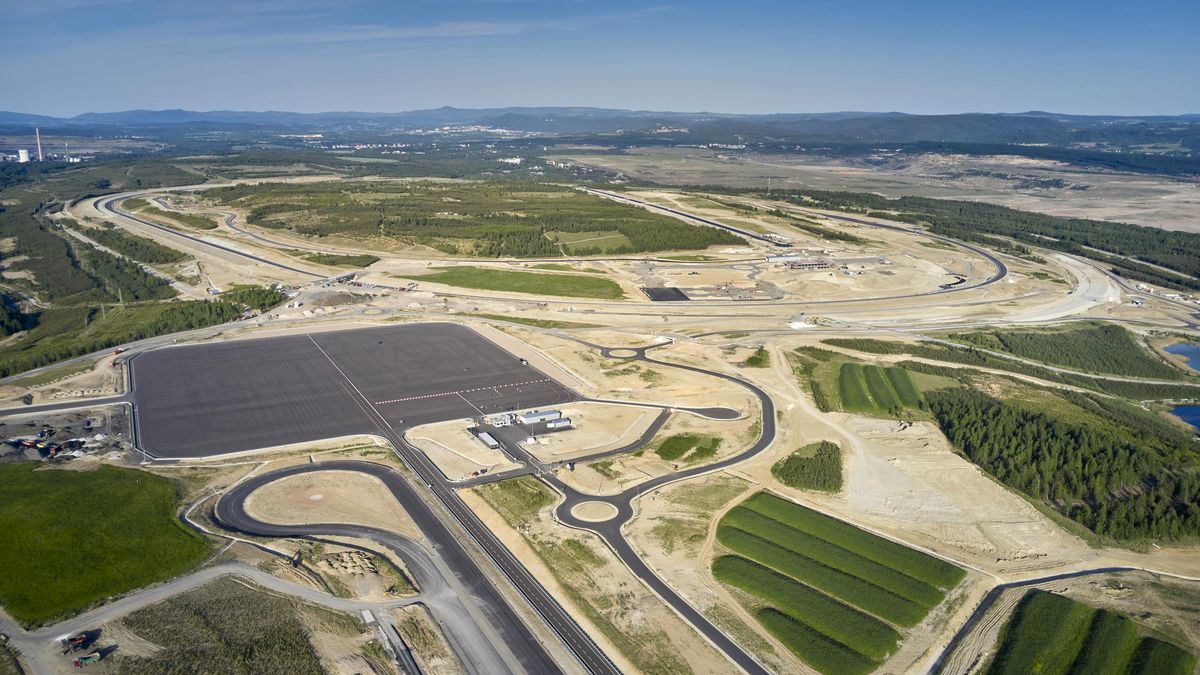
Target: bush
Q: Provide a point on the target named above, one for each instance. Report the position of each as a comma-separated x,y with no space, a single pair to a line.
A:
813,467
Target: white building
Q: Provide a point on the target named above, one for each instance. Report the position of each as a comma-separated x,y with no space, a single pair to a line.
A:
534,417
23,156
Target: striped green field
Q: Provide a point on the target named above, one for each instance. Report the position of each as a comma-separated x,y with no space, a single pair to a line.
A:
876,391
1054,635
836,595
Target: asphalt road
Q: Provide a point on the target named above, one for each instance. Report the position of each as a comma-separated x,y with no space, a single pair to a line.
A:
40,647
487,634
110,204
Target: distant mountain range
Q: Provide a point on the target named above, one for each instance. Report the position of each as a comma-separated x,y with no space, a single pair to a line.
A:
858,125
1170,142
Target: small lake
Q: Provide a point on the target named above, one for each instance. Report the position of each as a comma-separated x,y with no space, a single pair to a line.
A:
1189,351
1189,414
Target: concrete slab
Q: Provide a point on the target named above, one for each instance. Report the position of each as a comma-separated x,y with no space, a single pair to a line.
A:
205,400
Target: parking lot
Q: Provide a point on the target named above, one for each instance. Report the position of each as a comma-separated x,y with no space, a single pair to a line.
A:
205,400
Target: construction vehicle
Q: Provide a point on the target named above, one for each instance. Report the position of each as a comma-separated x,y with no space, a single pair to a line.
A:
82,661
74,643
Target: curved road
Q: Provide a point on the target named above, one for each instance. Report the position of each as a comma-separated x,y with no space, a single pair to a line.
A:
448,582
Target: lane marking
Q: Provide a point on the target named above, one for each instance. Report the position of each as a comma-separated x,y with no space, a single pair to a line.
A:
460,392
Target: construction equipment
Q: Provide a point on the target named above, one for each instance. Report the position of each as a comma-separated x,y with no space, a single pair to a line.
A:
82,661
74,643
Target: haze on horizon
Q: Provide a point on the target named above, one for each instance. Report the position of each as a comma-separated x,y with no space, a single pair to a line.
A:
65,57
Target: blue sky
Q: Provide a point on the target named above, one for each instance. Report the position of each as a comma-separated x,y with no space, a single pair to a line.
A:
64,57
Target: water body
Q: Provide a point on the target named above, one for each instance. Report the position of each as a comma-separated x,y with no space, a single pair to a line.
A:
1189,414
1189,351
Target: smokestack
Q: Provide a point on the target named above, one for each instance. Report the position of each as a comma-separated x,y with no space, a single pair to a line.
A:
38,132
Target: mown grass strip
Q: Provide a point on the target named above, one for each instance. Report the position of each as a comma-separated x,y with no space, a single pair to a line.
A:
828,580
1109,646
864,634
910,561
815,649
881,389
852,388
831,555
1043,636
905,389
1155,657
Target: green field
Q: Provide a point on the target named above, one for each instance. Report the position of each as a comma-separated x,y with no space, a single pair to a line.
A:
876,391
561,285
355,261
1096,348
586,243
690,448
836,595
817,466
133,246
73,538
1052,635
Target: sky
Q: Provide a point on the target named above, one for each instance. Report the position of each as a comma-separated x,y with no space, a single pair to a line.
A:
64,57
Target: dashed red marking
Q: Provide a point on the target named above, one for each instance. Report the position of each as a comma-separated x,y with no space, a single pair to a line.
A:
460,392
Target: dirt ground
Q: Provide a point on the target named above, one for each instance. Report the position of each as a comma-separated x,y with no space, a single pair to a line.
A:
422,634
457,453
1036,185
595,428
89,379
603,581
330,497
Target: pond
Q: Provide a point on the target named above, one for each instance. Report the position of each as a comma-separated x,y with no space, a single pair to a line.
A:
1189,414
1189,351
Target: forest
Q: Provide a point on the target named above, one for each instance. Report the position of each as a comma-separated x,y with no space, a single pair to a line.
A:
1120,245
1097,348
1121,482
976,357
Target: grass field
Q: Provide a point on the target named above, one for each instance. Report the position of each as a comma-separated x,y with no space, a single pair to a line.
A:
817,466
876,391
836,595
539,323
207,629
355,261
75,537
561,285
517,499
587,241
1053,635
690,448
563,267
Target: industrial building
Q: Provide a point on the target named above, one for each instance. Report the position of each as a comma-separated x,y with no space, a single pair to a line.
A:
534,416
487,439
560,423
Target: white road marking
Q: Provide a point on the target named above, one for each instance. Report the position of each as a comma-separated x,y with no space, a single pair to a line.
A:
460,392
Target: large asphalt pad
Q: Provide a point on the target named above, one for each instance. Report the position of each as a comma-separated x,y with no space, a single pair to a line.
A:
206,400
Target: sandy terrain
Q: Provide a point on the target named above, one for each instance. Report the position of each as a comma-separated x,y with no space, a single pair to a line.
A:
1037,185
632,609
425,638
457,453
330,497
595,428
